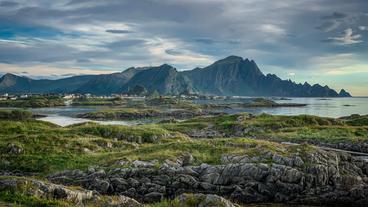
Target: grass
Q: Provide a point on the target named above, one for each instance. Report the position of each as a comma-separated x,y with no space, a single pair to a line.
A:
170,102
15,115
47,148
34,102
190,200
14,198
327,134
139,134
306,128
289,128
185,127
98,101
175,203
122,113
274,122
357,120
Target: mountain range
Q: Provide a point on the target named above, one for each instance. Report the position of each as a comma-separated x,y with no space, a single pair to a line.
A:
231,76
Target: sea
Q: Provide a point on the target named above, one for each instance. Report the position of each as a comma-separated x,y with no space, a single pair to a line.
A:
325,107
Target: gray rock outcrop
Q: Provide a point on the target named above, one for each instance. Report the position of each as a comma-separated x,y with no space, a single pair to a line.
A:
318,177
80,197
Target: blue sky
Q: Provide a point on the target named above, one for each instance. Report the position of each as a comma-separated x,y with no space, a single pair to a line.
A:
318,41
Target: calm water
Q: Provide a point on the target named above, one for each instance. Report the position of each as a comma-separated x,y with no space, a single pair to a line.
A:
327,107
330,107
65,116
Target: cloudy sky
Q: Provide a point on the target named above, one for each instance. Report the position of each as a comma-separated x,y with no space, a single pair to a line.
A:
319,41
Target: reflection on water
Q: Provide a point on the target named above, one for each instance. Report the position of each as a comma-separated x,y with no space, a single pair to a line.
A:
63,120
65,116
67,120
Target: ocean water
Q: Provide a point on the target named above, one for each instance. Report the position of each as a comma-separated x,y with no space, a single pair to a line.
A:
65,116
326,107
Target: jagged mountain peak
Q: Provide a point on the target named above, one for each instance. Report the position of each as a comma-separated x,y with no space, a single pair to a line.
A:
235,59
344,93
13,83
232,58
235,63
165,65
10,75
232,75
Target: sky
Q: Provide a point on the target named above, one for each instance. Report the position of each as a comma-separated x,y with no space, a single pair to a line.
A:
314,41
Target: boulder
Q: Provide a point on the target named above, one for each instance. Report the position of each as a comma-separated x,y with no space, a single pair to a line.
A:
324,176
153,197
205,200
14,149
50,191
144,164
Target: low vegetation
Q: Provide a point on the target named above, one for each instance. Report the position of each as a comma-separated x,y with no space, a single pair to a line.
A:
14,198
98,101
40,147
34,102
15,115
122,114
356,120
138,134
280,128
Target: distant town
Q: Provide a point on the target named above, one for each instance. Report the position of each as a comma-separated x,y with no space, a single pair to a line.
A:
7,96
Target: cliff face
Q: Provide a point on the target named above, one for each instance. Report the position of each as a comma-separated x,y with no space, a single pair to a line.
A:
230,76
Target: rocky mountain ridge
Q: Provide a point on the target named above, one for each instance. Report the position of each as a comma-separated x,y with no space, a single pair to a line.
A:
232,76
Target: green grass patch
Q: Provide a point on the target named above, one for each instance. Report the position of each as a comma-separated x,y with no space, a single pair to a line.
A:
15,115
17,199
98,101
34,102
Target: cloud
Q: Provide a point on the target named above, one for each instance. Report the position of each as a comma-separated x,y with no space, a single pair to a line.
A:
8,4
125,44
332,22
337,62
348,38
335,15
329,26
347,70
272,29
363,28
119,31
173,52
113,35
45,71
205,40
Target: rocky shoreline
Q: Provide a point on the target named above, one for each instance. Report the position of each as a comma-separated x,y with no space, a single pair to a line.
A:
80,197
219,160
316,178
